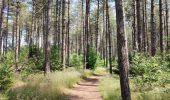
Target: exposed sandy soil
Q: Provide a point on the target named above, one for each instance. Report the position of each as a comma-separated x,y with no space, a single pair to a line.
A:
86,90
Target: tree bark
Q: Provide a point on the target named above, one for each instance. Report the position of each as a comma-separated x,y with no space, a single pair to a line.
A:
139,25
109,36
87,33
63,60
68,35
167,24
153,29
161,28
47,38
17,34
97,25
122,49
1,26
134,37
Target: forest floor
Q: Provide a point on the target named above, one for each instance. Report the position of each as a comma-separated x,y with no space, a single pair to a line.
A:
87,89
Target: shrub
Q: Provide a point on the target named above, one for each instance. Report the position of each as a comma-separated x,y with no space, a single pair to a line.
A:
5,77
33,64
92,58
55,61
145,69
8,58
76,60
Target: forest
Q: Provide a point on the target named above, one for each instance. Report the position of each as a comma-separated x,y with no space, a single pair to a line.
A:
84,50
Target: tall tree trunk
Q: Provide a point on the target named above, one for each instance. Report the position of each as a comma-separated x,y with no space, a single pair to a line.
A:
87,32
1,25
63,60
161,28
153,29
139,27
7,30
59,29
97,25
32,31
106,36
109,35
134,37
146,28
17,34
13,36
122,49
68,34
143,26
83,35
167,24
47,38
56,23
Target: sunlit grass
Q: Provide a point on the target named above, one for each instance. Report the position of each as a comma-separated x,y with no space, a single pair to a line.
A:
38,87
110,90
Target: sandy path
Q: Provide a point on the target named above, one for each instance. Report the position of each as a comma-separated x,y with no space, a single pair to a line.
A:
86,90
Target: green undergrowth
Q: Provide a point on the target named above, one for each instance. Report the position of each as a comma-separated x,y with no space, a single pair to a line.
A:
110,90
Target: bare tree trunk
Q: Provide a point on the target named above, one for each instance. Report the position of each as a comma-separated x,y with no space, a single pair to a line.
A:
68,35
59,29
134,37
109,35
153,29
1,25
32,30
167,24
161,30
17,34
7,30
63,60
13,36
87,32
139,27
143,27
122,49
47,38
56,23
97,25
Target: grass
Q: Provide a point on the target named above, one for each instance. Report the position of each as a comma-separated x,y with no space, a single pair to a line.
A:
38,87
110,90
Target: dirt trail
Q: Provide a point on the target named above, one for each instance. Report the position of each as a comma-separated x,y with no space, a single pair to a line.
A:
87,89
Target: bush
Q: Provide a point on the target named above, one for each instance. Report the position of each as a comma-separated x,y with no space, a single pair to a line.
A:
8,58
5,77
55,61
92,58
76,60
33,64
145,69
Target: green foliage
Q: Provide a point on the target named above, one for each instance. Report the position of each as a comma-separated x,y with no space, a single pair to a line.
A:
33,64
55,61
92,58
146,69
5,77
167,61
115,65
76,60
8,58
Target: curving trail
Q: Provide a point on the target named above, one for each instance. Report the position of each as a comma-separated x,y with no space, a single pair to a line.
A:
87,89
